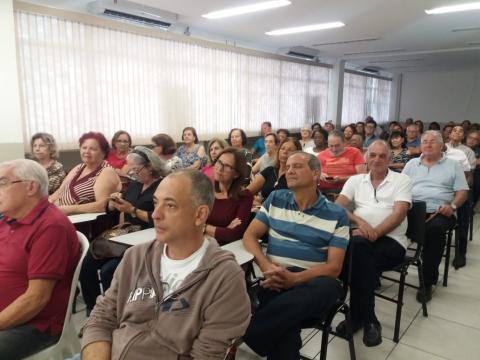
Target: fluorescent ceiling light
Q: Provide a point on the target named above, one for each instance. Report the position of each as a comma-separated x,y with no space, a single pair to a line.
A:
240,10
454,8
306,28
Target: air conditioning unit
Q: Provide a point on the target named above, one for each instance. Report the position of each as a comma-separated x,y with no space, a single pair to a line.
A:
132,12
301,52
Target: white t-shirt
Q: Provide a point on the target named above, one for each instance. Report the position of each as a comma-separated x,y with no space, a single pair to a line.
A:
173,272
458,155
375,206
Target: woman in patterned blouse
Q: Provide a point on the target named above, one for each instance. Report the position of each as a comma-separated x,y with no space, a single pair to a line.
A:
87,188
399,152
165,148
191,152
44,150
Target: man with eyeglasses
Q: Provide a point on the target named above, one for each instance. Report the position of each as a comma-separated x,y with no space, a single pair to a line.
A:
39,253
441,183
381,200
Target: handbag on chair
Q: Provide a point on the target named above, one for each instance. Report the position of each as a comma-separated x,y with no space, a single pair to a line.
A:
102,247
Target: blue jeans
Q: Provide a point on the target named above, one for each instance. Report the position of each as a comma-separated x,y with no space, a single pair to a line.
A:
274,329
24,340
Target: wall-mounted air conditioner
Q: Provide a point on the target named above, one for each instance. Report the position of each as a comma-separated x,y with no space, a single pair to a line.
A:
132,12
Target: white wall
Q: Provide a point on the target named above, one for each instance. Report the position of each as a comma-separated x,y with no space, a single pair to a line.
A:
11,138
441,96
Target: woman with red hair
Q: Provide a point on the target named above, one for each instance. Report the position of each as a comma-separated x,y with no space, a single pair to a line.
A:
87,187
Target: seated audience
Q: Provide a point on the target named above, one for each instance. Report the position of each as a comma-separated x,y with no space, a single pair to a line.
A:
408,121
456,138
316,126
412,140
231,209
165,148
266,160
399,155
419,124
434,126
238,140
117,156
392,126
136,205
282,135
273,177
305,137
320,140
88,185
40,251
348,132
191,152
339,162
259,145
178,297
447,129
473,141
214,147
307,236
370,128
44,151
441,183
381,200
466,124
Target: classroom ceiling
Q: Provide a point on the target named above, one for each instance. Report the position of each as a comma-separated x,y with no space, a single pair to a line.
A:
394,36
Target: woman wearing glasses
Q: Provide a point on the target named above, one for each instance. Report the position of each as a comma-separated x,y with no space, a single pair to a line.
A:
231,208
136,206
117,156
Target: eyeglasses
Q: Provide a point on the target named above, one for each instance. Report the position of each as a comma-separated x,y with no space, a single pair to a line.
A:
123,141
137,171
224,167
5,183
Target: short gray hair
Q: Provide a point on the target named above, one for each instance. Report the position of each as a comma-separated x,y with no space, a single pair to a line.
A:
158,166
201,192
435,133
30,170
379,142
313,162
337,133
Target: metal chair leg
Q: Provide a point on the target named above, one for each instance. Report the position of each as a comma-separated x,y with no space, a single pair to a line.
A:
447,258
421,285
398,315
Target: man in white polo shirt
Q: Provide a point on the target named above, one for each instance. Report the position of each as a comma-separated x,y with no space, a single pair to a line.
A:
381,200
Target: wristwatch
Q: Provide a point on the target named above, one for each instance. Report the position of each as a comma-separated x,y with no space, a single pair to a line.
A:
453,206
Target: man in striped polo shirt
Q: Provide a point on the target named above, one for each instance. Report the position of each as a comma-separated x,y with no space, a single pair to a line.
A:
308,236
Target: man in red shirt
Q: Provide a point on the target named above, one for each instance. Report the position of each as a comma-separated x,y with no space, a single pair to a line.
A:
339,162
39,253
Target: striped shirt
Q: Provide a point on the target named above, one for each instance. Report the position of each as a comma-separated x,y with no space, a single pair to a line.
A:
302,238
80,191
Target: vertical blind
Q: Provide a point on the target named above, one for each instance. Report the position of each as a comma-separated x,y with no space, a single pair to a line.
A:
364,95
77,77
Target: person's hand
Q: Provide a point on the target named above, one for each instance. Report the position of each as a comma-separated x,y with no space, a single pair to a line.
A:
445,210
278,278
122,205
367,231
235,222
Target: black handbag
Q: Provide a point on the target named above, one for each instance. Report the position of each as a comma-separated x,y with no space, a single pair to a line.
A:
101,247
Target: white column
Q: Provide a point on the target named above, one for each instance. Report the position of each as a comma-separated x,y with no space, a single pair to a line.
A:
395,98
11,138
335,94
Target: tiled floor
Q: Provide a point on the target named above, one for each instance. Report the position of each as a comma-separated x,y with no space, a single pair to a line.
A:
451,331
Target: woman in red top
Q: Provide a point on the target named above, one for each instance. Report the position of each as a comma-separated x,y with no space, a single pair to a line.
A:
117,156
231,209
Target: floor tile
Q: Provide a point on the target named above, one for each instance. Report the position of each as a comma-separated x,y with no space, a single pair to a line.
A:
403,352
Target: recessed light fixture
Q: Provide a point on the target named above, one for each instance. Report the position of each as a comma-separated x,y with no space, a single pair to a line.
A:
454,8
240,10
300,29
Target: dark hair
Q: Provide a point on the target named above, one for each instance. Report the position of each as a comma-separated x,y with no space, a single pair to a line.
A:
166,142
395,134
242,134
241,168
267,123
448,125
274,136
117,135
353,128
419,123
321,131
49,140
316,124
285,131
294,141
369,120
194,132
99,137
434,126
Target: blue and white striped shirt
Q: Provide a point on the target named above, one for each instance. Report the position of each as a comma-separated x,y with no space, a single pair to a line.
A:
299,238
